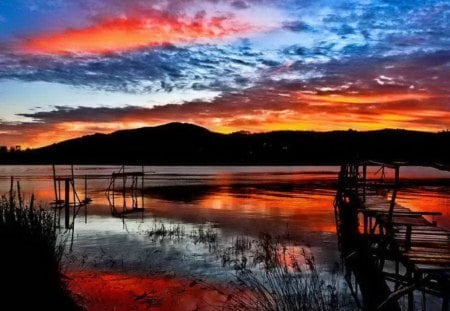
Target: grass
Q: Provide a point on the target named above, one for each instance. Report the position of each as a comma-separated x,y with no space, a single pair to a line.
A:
30,259
199,234
284,289
162,231
282,277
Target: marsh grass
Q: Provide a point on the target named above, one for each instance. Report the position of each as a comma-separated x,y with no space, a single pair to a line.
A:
283,289
204,234
286,280
161,231
30,258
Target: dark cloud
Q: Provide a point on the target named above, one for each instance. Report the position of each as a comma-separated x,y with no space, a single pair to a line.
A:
144,71
239,4
296,26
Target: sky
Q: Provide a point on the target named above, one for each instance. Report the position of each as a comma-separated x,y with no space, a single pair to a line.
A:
76,67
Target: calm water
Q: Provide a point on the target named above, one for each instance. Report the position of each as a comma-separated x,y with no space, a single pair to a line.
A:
292,203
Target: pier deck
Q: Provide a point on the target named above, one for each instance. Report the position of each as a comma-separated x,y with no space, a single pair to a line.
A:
418,248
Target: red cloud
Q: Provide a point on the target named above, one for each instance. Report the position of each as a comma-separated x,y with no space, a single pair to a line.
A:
130,33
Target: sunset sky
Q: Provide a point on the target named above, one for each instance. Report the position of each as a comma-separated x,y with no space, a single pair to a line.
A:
75,67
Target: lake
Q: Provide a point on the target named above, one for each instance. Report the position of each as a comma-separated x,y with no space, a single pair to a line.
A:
198,221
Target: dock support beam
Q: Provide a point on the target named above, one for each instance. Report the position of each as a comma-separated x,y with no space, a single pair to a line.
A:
67,204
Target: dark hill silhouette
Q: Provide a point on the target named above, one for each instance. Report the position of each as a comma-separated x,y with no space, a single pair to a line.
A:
181,143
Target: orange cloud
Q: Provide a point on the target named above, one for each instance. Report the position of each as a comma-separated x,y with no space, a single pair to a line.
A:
255,110
364,98
131,33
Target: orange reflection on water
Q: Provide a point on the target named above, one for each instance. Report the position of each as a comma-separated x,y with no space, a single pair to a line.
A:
428,200
255,210
116,291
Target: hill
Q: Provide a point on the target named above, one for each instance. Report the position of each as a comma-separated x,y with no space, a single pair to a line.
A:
181,143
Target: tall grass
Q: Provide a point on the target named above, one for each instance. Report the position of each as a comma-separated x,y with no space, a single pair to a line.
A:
283,289
30,259
286,282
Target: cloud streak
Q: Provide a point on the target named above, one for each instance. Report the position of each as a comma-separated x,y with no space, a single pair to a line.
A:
128,33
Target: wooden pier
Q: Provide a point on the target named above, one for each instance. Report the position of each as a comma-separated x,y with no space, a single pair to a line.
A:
126,184
65,184
389,249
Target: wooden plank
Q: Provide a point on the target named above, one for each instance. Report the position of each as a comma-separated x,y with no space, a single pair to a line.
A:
403,221
443,236
422,229
435,261
426,255
432,267
424,233
418,249
426,244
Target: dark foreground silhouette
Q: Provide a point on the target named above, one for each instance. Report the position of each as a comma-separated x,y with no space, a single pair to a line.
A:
187,144
30,261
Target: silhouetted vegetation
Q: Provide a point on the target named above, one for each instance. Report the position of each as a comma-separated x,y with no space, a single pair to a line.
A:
177,143
282,288
30,260
284,279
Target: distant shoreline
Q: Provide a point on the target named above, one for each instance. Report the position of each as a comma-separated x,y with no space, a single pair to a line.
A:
182,144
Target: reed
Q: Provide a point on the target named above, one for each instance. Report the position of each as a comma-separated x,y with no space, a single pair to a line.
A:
287,281
30,258
284,289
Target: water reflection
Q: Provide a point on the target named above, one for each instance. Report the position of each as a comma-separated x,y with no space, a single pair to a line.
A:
236,201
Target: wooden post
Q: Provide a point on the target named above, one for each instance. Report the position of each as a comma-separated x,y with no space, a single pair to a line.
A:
73,191
58,205
142,192
446,298
397,175
124,181
85,199
59,190
54,184
364,180
356,178
32,202
19,195
113,190
392,205
408,237
67,204
11,192
411,294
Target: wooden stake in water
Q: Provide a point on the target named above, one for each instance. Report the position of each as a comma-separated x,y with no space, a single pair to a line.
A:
66,203
11,192
31,201
85,199
19,195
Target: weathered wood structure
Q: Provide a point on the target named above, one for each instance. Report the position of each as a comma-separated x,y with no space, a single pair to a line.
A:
390,250
125,185
67,198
